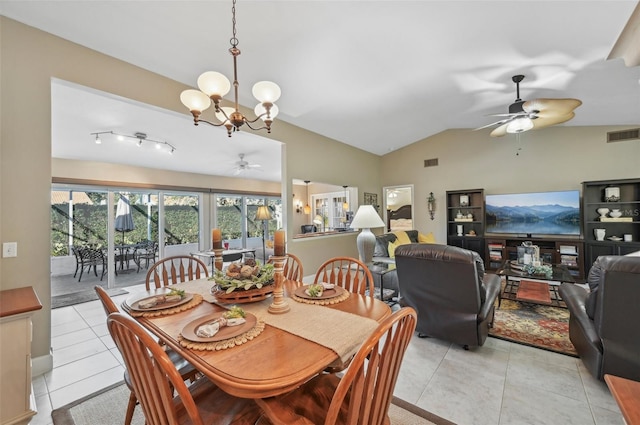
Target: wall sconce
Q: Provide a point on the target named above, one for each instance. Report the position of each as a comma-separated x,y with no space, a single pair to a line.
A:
431,205
299,206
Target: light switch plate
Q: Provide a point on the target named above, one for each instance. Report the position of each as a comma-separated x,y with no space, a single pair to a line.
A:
9,249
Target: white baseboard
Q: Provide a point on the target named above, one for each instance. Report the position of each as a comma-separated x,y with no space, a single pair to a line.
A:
41,365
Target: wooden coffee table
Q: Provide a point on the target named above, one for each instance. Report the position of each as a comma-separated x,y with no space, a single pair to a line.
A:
536,289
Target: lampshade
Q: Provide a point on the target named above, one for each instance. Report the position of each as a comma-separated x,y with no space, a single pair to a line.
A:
228,110
195,100
263,213
260,109
366,218
214,83
519,125
318,219
266,91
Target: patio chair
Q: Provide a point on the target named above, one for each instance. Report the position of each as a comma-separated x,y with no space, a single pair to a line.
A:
146,251
363,394
87,258
172,270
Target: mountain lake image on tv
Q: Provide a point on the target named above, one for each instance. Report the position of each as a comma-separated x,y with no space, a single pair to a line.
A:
540,213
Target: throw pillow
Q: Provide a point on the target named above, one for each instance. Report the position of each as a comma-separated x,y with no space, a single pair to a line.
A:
595,273
403,238
428,238
392,248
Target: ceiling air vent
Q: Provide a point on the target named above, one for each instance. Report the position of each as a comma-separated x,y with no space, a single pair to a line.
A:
623,135
431,162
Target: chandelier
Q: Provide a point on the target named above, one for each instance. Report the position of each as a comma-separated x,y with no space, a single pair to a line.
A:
213,86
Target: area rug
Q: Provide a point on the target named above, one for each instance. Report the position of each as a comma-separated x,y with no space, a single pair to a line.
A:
108,406
81,297
535,325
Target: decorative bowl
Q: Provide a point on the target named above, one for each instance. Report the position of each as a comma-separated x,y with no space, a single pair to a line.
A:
615,213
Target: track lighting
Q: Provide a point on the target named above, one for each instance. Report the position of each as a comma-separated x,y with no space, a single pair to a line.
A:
140,138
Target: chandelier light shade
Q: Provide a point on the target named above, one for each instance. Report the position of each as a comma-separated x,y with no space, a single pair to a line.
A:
366,218
519,125
214,86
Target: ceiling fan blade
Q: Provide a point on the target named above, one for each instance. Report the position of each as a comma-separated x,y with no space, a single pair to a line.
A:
551,106
506,120
542,122
500,131
253,165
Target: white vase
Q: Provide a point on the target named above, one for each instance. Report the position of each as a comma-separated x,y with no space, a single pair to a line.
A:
599,233
603,211
615,213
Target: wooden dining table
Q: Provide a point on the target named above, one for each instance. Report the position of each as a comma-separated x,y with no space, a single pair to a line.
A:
272,363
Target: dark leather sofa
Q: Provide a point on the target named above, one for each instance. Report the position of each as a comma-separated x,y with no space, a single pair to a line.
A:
603,323
381,255
449,289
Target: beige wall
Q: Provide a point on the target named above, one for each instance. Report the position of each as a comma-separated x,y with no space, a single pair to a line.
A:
555,158
30,59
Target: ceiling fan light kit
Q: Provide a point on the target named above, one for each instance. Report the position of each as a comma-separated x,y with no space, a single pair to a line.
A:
532,114
214,86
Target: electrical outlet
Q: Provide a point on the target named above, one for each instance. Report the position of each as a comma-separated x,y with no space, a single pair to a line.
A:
10,249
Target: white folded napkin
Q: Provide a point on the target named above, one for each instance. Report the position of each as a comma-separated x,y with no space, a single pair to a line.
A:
207,331
327,285
210,329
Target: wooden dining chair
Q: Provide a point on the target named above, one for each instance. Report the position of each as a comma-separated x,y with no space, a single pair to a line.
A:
363,395
292,268
176,269
186,370
350,273
155,379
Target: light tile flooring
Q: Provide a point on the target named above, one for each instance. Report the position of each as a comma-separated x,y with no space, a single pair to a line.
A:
500,383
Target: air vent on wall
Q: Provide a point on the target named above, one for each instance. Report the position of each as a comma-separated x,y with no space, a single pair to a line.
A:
623,135
431,162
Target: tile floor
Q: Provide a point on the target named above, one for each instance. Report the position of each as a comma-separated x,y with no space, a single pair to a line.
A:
500,383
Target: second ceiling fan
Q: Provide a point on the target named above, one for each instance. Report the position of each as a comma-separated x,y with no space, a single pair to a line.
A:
532,114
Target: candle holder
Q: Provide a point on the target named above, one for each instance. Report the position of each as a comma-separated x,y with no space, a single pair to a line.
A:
217,259
279,304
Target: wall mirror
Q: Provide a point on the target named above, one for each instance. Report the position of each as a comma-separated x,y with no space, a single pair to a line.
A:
322,208
398,207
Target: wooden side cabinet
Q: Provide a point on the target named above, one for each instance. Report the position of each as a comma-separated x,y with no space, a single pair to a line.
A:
17,404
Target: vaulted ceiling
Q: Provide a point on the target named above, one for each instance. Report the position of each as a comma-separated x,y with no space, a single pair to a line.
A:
378,75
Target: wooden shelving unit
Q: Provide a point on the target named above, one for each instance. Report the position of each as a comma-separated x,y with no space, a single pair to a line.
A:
474,205
594,197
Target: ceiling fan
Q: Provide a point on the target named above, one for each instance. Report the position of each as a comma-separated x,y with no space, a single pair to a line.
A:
243,165
533,114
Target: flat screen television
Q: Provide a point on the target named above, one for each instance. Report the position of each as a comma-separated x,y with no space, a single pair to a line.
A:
532,214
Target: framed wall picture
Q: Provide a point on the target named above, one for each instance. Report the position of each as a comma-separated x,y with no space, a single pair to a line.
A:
371,199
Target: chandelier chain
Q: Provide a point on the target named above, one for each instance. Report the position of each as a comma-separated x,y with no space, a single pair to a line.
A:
234,40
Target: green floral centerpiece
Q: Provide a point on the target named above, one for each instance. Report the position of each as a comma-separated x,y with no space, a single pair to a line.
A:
243,277
542,270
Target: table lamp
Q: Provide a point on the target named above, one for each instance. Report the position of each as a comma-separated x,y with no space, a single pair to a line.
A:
366,218
263,214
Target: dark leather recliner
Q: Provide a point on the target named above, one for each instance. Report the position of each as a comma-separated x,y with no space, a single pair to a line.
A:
603,323
449,289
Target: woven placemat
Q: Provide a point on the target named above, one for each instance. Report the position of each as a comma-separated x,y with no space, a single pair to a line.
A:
226,343
197,299
326,301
